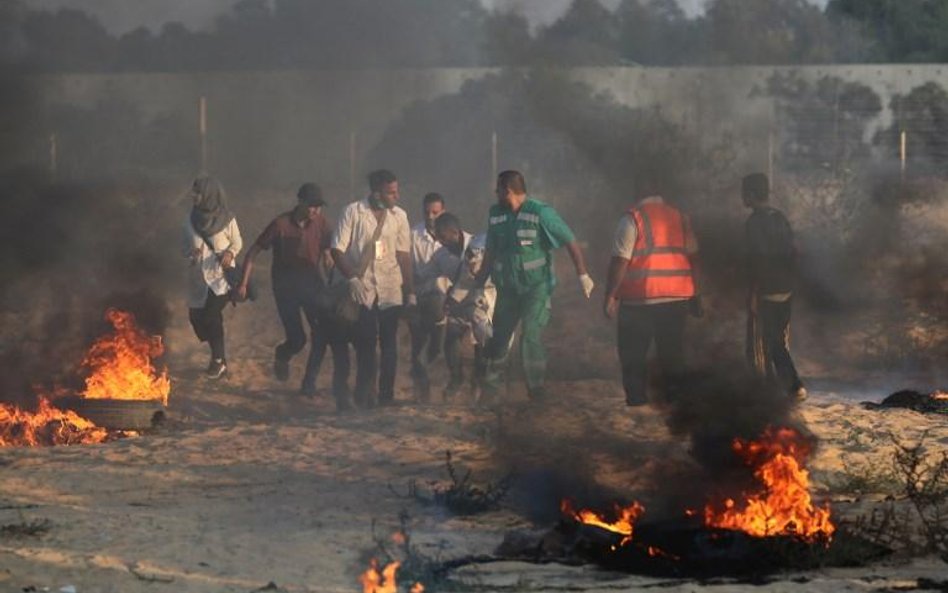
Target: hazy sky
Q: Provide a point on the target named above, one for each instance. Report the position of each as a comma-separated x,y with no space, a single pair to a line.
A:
120,16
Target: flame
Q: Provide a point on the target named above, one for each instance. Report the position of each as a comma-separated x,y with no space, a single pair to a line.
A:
374,581
623,525
48,425
783,505
119,364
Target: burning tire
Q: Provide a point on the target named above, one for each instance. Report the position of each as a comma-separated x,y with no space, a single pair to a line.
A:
118,414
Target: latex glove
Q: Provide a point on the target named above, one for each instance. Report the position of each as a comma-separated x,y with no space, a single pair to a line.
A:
411,300
587,284
355,287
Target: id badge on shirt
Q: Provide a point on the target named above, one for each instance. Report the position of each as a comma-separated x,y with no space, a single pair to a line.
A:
380,251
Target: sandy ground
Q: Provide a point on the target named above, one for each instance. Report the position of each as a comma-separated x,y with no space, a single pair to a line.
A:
250,484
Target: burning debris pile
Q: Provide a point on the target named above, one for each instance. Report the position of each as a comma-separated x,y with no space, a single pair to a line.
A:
783,506
48,425
775,525
119,367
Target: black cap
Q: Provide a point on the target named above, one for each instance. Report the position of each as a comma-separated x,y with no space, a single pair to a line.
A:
311,195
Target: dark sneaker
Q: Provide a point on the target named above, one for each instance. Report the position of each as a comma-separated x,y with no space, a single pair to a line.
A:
633,401
281,369
216,369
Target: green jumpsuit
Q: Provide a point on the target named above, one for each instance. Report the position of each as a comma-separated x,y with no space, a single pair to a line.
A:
522,244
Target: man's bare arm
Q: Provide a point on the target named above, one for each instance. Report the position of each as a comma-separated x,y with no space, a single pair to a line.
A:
342,264
617,268
576,254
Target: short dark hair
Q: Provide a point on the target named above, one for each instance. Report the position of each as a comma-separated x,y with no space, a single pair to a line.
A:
756,186
311,195
432,198
447,221
380,178
512,180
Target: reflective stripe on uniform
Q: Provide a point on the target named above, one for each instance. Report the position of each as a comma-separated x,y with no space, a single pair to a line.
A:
526,216
526,232
534,264
644,252
498,219
638,274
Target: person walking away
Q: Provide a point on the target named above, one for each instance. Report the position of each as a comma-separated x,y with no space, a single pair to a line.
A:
468,308
427,325
211,243
300,241
771,270
522,234
371,247
651,288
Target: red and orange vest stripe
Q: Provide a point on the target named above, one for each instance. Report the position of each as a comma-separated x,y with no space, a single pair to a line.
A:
660,267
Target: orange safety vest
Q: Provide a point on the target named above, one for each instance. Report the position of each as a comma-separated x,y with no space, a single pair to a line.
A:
660,267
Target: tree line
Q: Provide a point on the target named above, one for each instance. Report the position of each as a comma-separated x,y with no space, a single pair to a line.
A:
291,34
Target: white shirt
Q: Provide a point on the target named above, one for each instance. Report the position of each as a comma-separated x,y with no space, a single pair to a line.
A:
354,230
423,250
206,271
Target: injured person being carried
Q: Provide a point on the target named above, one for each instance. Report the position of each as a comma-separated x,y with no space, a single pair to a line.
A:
468,307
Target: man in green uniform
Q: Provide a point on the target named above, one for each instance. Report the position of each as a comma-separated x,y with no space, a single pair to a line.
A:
521,235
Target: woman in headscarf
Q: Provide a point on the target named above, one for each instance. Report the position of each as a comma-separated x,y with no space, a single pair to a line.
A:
212,242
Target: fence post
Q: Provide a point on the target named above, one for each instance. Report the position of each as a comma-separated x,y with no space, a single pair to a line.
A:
352,164
493,159
53,156
202,129
903,152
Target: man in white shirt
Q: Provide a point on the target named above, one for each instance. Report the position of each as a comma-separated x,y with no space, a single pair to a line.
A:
380,279
427,326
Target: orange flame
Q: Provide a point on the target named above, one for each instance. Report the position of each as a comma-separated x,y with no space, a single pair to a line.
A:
119,364
48,425
623,525
783,505
374,581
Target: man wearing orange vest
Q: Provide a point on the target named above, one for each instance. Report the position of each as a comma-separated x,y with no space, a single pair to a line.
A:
651,287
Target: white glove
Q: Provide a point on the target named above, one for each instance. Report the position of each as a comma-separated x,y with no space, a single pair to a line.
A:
411,300
355,288
587,284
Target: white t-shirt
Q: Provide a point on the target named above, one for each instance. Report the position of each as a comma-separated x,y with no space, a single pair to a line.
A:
354,230
423,250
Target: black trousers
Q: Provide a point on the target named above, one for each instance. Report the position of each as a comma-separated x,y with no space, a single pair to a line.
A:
376,328
208,323
774,318
296,297
638,327
427,329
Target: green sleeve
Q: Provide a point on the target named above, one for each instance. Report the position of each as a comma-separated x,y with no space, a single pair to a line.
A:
555,228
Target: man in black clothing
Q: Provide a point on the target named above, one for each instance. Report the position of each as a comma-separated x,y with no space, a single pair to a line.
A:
771,268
